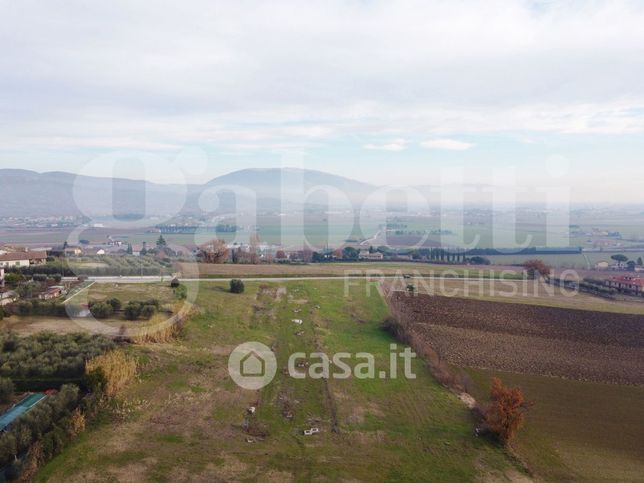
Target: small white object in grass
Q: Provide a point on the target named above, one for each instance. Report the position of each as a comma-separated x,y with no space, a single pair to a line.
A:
297,321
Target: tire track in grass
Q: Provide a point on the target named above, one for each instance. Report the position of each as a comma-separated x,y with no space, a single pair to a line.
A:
315,322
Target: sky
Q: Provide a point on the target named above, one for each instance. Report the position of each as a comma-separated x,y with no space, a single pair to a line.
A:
385,92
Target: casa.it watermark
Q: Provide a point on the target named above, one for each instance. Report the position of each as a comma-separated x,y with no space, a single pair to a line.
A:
253,365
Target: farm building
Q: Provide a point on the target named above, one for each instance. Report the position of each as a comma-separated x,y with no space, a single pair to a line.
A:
52,292
22,258
66,251
366,255
627,283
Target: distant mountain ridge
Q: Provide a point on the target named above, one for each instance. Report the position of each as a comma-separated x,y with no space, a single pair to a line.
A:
57,193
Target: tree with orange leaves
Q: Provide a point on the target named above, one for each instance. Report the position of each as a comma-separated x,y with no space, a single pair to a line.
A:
506,413
536,268
214,251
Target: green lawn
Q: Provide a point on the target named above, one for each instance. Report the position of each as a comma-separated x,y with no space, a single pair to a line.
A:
577,430
185,415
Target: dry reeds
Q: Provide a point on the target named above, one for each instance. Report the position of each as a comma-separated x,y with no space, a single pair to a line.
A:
117,368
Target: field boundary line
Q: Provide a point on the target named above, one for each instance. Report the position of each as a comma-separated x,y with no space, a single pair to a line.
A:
79,291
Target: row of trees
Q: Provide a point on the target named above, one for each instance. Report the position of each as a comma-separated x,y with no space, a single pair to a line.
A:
104,310
49,422
38,307
217,251
48,355
140,310
133,310
97,266
630,264
42,433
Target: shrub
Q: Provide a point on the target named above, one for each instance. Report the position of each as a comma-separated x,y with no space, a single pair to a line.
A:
236,286
181,292
115,303
13,279
101,310
506,413
77,422
153,302
8,448
8,342
95,379
6,390
175,283
24,308
147,311
132,310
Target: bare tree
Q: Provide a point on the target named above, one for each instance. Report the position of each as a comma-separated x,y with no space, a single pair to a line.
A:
253,249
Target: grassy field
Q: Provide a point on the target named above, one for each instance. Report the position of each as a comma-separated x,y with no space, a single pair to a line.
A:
577,430
127,292
228,270
580,261
184,417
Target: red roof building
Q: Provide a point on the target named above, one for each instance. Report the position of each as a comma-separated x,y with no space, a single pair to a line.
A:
627,283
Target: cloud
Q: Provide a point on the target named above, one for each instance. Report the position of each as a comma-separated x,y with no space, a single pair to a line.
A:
300,75
396,145
447,144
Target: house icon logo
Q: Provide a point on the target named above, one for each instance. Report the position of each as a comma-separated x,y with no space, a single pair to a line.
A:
252,365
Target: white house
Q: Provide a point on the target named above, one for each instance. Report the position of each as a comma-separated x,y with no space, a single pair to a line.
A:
603,265
366,255
8,297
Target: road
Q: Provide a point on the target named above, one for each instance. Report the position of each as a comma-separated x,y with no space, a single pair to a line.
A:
157,279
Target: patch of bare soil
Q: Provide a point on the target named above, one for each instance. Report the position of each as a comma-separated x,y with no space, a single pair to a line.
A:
230,469
133,472
577,344
25,326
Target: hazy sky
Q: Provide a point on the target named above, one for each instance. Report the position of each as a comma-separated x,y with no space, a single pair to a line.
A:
387,92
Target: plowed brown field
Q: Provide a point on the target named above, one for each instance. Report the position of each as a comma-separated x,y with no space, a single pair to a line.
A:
576,344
